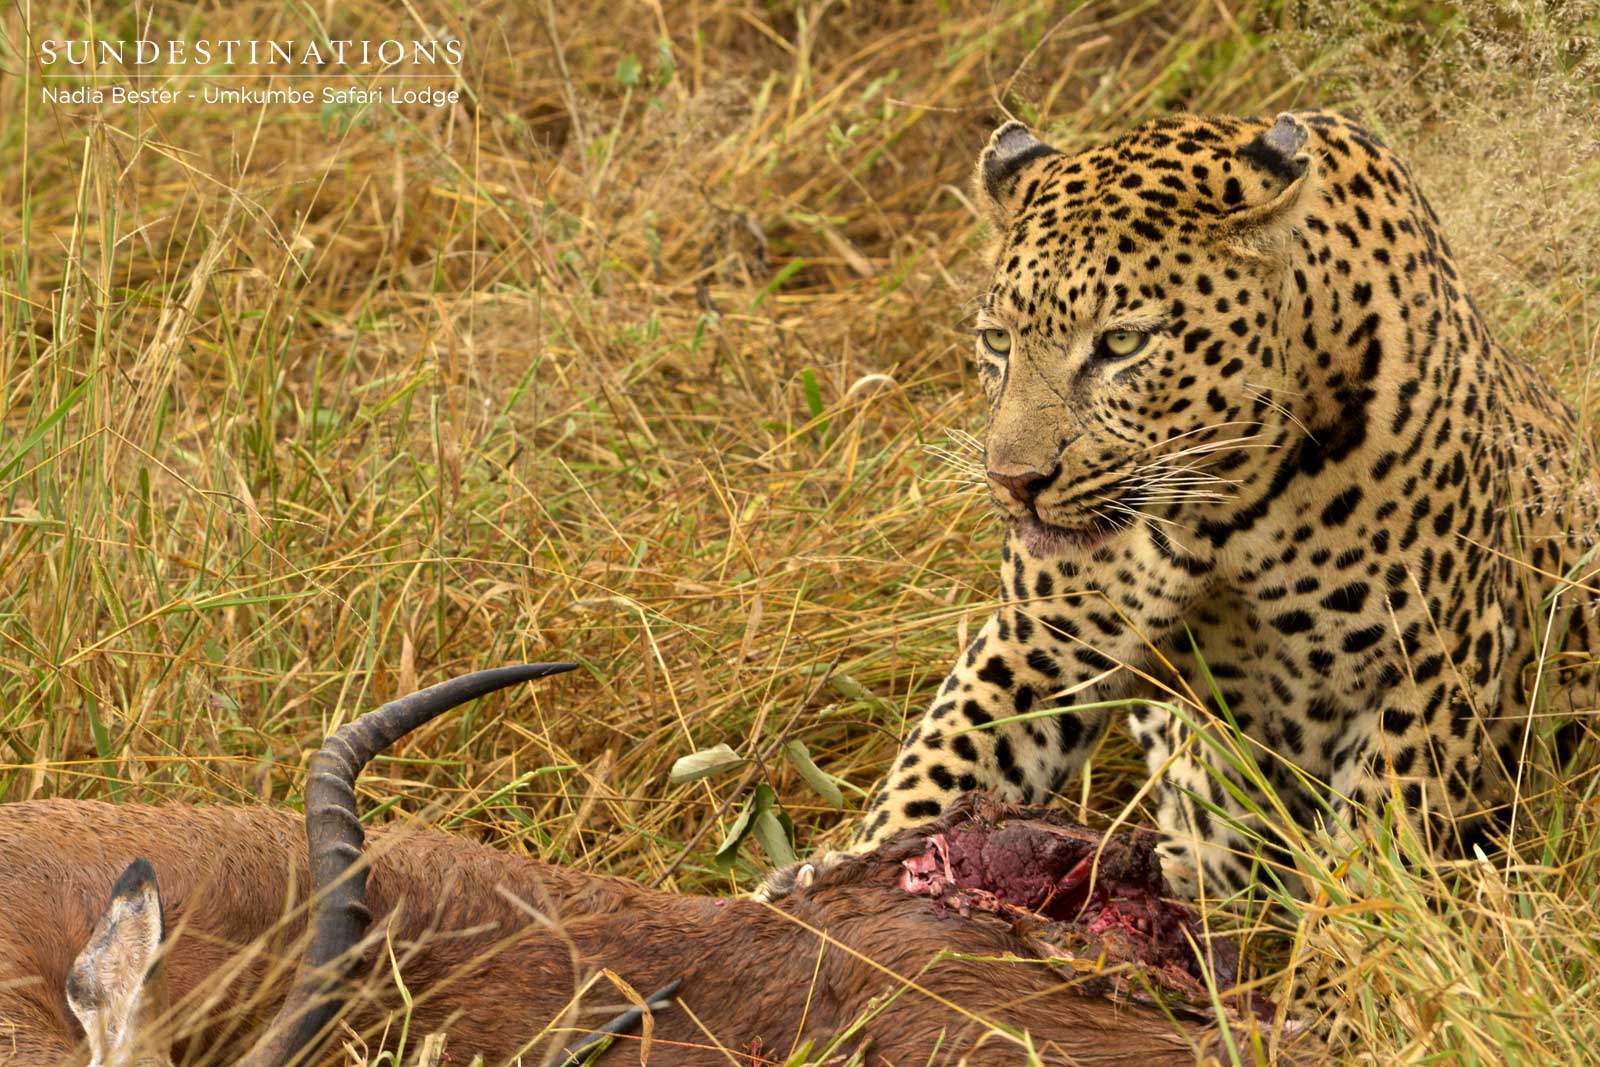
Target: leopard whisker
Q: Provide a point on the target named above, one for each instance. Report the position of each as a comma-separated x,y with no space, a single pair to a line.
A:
1216,446
965,440
1259,393
1190,458
1182,476
1197,430
1145,516
1177,498
956,460
964,485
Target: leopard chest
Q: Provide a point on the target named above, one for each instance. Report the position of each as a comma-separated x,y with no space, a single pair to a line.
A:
1318,650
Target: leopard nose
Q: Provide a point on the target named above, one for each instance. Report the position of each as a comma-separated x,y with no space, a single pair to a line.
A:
1026,485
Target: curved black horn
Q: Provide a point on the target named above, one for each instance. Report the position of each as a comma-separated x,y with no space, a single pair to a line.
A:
339,916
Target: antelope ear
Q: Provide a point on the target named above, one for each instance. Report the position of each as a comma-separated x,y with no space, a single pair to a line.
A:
1289,176
1000,167
117,986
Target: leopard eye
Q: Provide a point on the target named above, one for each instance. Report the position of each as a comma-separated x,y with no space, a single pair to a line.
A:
1120,344
996,341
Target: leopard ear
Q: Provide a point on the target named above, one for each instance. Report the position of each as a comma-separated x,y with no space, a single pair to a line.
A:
1012,148
1281,149
1288,178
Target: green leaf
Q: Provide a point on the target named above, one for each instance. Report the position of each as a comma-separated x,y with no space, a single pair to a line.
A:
784,273
800,759
775,831
847,687
629,70
757,804
717,759
98,730
666,65
68,402
808,381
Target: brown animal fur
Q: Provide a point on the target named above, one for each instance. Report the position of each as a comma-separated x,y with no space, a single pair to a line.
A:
461,919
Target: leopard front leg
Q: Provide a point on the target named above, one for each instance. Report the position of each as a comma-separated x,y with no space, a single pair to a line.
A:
1211,839
1050,647
1018,663
1061,643
958,746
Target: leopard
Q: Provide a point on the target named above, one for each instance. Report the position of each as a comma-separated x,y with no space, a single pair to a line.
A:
1264,473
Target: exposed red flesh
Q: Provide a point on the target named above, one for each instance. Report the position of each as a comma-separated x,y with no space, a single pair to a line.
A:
1076,893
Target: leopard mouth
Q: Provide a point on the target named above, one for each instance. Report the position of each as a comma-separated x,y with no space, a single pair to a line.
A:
1046,539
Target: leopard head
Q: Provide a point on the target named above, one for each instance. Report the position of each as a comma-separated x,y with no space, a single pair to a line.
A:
1129,343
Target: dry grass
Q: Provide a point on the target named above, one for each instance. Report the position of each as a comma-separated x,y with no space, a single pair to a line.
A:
643,358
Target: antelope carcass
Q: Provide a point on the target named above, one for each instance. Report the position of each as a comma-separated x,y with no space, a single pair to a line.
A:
134,935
